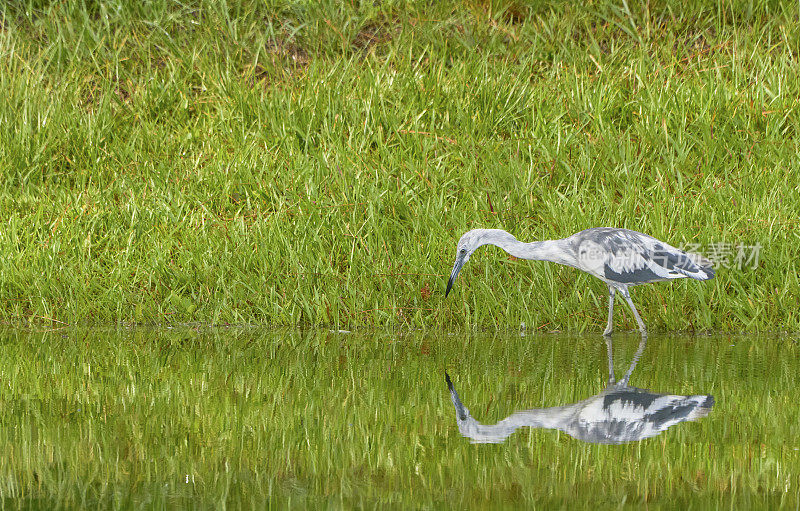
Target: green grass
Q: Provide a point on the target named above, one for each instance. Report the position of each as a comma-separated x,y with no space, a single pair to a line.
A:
123,418
304,163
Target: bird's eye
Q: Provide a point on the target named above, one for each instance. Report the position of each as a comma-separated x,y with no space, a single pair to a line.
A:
463,250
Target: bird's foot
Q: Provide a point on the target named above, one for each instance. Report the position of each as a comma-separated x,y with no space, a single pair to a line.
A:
608,332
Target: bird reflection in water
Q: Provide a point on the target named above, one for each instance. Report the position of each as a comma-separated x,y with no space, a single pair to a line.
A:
616,415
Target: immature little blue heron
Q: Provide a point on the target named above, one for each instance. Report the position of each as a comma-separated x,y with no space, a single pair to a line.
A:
619,257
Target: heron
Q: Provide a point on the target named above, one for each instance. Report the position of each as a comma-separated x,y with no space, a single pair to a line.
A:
618,414
619,257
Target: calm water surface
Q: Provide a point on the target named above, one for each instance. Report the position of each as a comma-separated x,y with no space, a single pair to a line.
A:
243,417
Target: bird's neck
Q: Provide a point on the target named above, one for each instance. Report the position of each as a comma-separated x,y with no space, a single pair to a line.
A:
555,251
554,417
557,417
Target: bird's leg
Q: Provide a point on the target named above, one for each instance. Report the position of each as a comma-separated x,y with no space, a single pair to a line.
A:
611,378
624,381
610,325
642,328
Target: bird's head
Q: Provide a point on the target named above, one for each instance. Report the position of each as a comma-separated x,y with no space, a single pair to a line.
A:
471,241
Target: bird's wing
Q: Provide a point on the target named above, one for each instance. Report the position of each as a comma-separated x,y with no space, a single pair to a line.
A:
631,414
633,258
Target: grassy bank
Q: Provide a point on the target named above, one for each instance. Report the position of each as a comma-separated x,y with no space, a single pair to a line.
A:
295,164
240,418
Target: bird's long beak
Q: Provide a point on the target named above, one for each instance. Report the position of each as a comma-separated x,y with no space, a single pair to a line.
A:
461,413
456,268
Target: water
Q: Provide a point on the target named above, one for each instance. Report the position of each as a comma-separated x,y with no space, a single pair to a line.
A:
244,417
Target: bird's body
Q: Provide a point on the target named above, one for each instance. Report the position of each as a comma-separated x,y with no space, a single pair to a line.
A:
619,257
